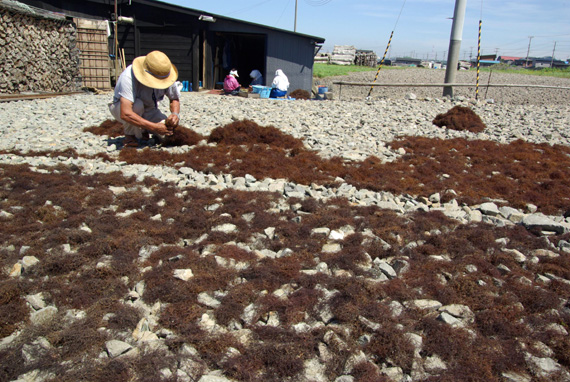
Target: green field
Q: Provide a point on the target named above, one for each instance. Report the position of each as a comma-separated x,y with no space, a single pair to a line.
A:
547,72
326,70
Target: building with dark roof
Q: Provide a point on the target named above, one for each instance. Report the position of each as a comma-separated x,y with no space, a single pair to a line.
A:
203,46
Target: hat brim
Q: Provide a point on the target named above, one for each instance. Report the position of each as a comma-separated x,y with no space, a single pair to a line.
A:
151,81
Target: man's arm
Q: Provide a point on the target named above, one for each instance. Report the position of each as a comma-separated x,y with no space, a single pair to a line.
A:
174,118
129,116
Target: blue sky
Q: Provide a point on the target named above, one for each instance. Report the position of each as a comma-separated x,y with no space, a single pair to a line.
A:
423,28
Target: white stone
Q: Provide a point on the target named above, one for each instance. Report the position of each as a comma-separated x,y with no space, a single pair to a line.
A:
44,316
544,223
490,209
516,254
29,261
140,329
545,253
511,376
214,378
385,268
16,270
394,373
449,319
462,312
270,232
320,231
556,328
331,248
183,274
115,348
434,364
36,301
423,304
117,190
225,228
415,339
205,299
336,235
207,323
543,366
315,371
249,314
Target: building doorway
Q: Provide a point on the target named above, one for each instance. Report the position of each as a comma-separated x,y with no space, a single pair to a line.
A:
244,52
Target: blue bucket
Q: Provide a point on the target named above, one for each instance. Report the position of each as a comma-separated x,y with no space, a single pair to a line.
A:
323,89
257,88
264,93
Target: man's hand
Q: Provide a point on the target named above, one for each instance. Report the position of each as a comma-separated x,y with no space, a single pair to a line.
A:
161,129
172,121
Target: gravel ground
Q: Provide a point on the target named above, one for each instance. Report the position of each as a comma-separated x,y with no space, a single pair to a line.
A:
514,96
353,128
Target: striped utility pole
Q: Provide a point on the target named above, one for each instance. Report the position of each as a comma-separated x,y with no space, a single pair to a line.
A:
478,61
381,63
454,46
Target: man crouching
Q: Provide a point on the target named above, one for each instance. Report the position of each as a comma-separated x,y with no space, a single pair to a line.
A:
138,91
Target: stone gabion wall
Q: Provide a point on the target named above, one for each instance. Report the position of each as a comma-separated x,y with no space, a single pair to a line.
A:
37,54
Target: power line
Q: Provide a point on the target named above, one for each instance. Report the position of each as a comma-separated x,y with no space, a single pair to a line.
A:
283,12
249,7
317,3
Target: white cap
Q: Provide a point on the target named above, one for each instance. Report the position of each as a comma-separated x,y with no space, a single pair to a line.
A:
234,73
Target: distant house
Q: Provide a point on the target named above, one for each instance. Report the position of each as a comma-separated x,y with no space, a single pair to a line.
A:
484,63
406,61
541,63
508,59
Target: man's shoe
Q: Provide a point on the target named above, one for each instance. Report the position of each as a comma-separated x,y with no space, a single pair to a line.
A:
130,141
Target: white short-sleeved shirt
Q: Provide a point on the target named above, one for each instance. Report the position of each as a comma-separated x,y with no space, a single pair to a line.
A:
129,88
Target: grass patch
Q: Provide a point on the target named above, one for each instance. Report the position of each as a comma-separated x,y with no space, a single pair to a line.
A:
329,70
546,72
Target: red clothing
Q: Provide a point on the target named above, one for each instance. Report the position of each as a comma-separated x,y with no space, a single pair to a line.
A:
230,84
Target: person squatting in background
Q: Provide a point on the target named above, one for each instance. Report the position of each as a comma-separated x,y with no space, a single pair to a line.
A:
231,85
256,77
280,85
139,89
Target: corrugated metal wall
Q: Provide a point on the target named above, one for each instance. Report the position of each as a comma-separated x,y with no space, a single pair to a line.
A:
292,55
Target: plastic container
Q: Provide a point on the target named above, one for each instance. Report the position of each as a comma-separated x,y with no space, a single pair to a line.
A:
257,88
323,89
264,93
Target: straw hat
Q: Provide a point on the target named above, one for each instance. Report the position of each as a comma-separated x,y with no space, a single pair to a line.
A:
155,70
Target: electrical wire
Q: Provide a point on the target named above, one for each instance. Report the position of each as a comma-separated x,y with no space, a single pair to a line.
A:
283,12
249,7
317,3
386,51
400,14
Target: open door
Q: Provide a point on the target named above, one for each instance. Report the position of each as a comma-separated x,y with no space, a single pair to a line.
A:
244,52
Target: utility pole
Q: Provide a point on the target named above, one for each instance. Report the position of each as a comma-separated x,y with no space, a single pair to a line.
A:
528,51
454,46
295,28
553,50
496,53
